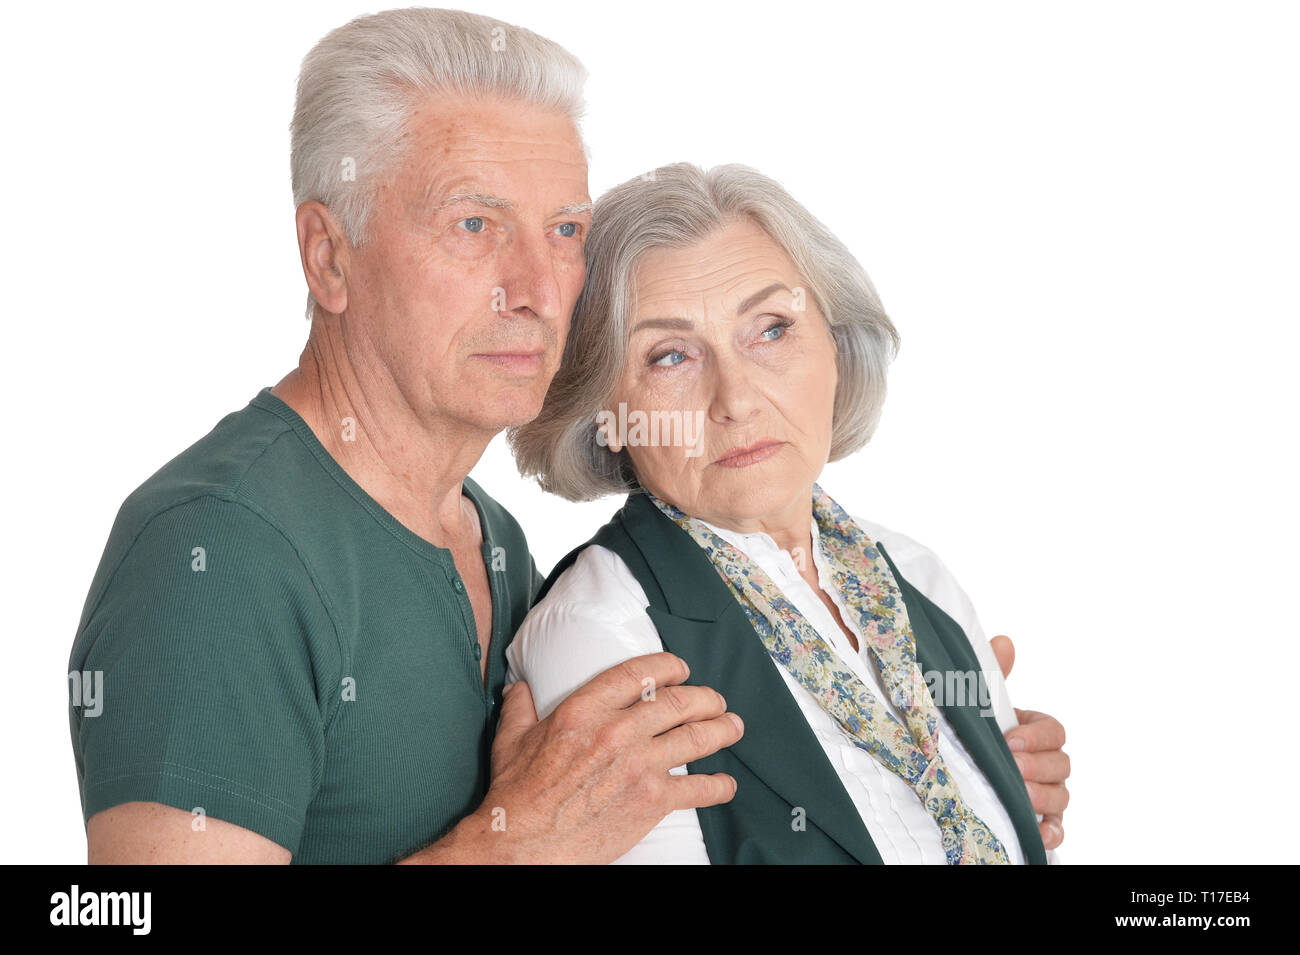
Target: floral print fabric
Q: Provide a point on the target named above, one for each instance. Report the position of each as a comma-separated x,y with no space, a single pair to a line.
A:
863,578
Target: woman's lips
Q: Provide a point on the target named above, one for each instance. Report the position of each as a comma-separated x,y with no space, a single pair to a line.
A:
744,457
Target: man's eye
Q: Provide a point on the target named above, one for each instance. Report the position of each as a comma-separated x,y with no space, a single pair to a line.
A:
568,229
472,224
660,359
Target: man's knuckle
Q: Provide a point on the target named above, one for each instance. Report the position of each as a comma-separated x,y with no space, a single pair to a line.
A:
609,738
676,699
702,737
630,671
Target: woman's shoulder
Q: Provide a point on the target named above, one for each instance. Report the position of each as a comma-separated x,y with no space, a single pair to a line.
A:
593,617
907,552
924,570
598,583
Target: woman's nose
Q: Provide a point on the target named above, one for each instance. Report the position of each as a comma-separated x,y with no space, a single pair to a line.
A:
736,397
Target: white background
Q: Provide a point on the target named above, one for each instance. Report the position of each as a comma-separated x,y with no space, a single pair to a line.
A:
1081,217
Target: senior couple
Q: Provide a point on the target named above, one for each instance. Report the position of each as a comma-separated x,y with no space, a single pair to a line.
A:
320,641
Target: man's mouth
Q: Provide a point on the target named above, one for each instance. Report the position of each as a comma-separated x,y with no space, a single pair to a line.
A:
520,362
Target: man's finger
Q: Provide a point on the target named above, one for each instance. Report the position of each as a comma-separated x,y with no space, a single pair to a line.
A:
1052,766
1038,731
672,706
1048,799
1052,830
697,791
695,740
633,680
1005,651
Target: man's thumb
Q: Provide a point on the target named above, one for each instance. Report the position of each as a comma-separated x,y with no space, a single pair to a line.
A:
518,713
1005,651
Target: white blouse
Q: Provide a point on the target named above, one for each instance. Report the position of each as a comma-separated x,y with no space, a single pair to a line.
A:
594,617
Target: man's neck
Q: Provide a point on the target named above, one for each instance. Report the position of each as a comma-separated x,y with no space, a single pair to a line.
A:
408,459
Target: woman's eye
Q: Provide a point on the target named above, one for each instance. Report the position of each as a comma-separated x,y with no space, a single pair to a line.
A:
662,359
472,224
568,229
779,328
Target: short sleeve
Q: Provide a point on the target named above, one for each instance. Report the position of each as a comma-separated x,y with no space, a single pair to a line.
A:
538,581
206,644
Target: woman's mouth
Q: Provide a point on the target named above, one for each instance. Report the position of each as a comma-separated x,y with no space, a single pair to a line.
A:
753,454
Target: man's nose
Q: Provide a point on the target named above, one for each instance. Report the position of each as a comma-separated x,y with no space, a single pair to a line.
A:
532,281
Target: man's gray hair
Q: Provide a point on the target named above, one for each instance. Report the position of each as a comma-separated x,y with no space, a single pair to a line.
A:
359,85
674,207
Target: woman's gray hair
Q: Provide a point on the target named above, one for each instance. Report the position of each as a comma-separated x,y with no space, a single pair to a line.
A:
359,85
673,207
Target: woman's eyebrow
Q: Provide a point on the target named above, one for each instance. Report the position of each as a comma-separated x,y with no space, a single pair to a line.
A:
678,324
682,324
758,296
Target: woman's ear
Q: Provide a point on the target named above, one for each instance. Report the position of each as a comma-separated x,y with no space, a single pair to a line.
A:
607,435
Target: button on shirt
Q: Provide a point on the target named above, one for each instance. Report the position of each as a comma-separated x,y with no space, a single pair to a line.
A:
594,617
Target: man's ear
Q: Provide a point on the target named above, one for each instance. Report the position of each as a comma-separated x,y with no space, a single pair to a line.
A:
324,253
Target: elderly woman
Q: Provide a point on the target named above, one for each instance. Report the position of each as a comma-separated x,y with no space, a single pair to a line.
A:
725,348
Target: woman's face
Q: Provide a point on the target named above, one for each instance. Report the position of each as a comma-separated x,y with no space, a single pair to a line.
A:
727,335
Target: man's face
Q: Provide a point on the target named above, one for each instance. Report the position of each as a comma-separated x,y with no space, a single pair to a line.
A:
464,289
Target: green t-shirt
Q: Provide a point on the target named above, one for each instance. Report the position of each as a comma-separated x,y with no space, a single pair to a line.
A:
266,645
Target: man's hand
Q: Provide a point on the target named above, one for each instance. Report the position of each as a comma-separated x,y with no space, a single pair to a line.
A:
1037,745
588,782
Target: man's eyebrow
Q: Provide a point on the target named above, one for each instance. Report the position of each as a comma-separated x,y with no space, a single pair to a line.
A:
758,296
492,202
496,202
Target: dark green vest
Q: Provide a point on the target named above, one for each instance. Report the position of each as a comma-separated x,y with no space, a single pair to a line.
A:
779,766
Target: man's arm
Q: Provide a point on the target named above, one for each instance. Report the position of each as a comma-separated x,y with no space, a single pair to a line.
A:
205,645
582,786
149,833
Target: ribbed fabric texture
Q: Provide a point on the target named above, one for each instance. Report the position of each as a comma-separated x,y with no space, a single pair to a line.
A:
277,651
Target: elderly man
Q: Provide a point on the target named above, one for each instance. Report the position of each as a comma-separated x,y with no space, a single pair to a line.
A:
299,624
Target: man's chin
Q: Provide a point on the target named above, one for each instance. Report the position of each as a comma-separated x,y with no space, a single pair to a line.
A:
505,410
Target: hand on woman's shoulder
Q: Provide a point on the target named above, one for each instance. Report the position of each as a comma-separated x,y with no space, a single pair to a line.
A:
592,618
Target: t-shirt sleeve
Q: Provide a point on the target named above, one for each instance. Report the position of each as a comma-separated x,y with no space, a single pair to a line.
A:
206,646
538,580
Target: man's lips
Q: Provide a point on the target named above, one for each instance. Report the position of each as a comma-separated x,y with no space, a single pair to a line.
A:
751,454
518,361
